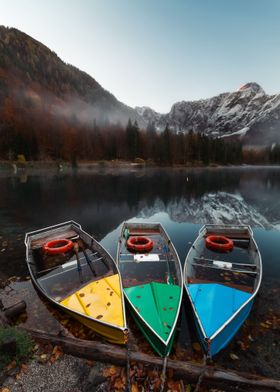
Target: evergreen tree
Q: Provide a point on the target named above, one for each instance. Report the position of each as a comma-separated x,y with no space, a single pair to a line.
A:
132,140
166,146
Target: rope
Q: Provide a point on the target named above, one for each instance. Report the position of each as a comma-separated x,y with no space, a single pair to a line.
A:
200,378
163,373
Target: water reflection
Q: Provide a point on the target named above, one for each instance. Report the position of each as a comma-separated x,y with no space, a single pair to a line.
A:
181,199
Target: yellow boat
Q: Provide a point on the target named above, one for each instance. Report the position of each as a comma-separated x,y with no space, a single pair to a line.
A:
73,271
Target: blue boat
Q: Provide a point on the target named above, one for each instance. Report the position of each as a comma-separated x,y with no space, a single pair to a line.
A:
222,275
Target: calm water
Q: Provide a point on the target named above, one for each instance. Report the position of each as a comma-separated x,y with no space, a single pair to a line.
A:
182,200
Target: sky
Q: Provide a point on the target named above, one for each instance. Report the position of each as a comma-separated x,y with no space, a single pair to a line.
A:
158,52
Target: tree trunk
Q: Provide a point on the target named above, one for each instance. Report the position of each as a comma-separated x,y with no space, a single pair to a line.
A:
212,376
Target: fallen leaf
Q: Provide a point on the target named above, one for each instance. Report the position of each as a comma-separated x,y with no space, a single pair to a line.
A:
90,362
57,352
134,388
188,388
4,390
118,383
24,368
234,357
196,346
242,345
35,348
264,325
111,371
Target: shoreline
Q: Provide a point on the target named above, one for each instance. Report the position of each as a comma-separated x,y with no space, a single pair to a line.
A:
37,166
253,350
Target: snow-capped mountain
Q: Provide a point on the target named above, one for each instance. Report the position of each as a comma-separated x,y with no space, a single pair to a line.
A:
248,113
219,208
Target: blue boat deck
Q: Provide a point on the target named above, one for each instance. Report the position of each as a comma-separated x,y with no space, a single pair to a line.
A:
215,304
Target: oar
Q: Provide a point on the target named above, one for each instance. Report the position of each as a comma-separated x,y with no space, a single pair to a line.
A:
89,262
76,250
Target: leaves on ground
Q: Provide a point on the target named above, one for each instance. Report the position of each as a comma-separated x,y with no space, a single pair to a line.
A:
196,346
141,379
56,354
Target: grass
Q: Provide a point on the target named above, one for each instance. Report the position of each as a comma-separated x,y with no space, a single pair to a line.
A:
23,346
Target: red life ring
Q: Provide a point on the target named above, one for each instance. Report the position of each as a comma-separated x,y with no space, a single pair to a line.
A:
219,242
139,244
56,247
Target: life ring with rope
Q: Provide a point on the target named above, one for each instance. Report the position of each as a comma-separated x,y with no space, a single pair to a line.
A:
139,244
56,247
219,242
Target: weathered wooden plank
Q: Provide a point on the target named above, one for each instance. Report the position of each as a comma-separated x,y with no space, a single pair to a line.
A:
12,311
15,310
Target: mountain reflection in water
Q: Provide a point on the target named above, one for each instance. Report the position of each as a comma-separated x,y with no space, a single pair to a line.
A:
182,200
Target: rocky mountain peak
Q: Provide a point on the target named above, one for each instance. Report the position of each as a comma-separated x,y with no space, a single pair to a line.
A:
253,87
247,113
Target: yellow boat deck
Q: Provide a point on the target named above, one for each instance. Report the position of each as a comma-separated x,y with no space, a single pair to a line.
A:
100,300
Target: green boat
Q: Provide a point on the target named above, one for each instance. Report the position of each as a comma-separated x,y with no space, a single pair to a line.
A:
152,281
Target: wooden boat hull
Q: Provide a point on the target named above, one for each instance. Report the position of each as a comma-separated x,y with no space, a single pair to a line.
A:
90,291
221,292
154,299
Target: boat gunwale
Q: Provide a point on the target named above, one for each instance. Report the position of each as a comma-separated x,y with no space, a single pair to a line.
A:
42,290
158,225
202,232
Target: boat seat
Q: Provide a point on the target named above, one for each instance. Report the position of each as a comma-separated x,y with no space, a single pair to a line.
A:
233,270
212,261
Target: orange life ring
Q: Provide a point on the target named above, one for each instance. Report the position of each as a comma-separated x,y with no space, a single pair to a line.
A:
219,242
139,244
56,247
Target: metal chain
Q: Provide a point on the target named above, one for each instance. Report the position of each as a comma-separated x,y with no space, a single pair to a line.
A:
200,378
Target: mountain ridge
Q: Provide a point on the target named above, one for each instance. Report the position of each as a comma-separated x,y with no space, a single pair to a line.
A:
247,113
31,75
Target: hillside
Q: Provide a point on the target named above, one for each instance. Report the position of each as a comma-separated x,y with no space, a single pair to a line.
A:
52,110
30,73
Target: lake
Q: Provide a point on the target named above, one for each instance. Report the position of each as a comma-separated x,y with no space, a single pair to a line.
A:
101,199
182,200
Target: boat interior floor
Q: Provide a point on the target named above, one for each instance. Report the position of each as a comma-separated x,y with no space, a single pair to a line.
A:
241,287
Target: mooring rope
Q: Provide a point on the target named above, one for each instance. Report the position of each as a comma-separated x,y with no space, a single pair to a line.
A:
163,373
200,378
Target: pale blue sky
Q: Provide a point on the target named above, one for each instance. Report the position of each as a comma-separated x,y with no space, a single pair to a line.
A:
158,52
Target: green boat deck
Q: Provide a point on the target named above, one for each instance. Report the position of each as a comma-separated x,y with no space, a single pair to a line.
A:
157,304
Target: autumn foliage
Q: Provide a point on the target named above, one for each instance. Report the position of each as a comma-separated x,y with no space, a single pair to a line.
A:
52,110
